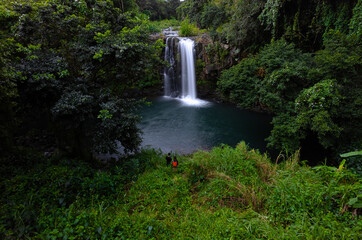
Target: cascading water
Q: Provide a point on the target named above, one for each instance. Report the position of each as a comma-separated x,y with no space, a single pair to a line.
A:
187,69
179,76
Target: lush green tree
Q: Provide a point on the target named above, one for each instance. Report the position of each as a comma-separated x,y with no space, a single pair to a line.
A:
330,110
271,80
316,107
159,9
239,83
305,22
213,16
230,22
76,62
125,5
247,25
286,70
317,97
192,9
244,30
8,96
341,60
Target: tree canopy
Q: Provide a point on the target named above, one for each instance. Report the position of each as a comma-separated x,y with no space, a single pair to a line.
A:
159,9
70,65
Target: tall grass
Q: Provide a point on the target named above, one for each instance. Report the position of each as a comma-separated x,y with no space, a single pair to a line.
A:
227,193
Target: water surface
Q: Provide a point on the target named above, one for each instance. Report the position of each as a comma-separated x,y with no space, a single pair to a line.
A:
173,125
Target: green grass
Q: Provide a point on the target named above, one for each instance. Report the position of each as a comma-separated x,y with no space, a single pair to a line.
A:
227,193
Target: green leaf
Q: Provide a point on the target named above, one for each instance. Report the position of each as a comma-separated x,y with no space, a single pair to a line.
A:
355,202
352,201
351,154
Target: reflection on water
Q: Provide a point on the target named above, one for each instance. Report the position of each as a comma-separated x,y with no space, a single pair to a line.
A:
173,125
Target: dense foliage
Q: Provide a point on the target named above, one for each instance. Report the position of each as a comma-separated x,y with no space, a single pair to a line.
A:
159,9
248,24
188,29
70,69
70,66
318,96
229,22
223,194
299,60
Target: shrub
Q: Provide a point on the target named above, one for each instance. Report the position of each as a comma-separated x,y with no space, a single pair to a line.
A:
225,193
188,29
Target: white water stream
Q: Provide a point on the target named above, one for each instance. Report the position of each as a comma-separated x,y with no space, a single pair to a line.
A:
188,69
180,77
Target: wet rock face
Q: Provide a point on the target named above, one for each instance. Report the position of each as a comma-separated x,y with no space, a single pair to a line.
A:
172,72
212,58
206,71
157,36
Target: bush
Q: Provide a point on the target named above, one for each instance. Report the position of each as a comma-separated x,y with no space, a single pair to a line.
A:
188,29
225,193
238,83
213,16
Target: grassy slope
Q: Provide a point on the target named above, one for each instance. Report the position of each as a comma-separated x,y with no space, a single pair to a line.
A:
223,194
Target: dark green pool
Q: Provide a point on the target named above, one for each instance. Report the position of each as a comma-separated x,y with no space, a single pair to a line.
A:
174,125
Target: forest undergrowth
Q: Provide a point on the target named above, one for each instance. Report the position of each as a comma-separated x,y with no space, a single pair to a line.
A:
227,193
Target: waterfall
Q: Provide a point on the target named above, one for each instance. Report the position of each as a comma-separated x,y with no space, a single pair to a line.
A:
187,69
179,76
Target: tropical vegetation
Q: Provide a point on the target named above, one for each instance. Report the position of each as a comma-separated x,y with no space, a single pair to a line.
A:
298,60
74,73
227,193
70,67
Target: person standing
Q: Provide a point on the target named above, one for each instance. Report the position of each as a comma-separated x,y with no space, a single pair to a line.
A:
168,159
174,163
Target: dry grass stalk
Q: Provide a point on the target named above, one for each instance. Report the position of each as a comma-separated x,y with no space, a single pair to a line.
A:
292,163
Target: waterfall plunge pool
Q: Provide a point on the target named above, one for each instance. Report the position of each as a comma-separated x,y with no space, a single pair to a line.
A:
174,125
183,123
